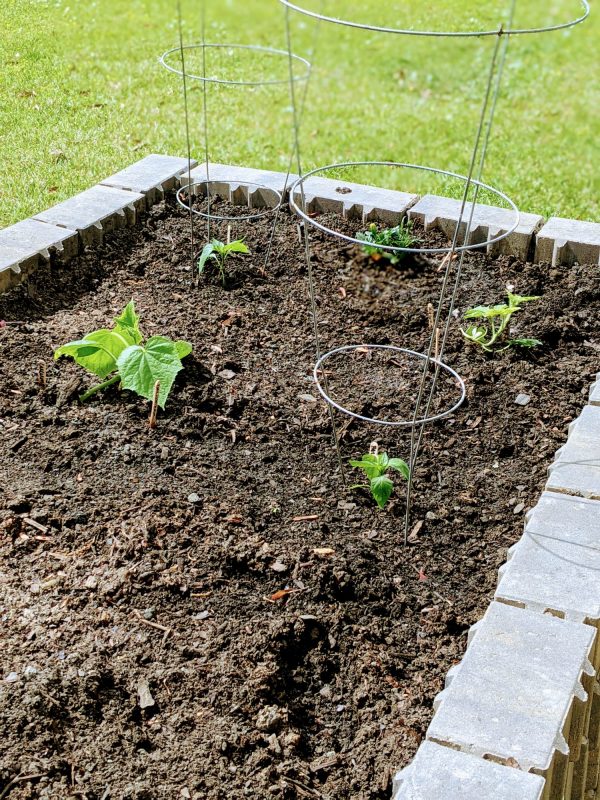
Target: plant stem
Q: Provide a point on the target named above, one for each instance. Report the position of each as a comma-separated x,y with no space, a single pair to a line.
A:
99,387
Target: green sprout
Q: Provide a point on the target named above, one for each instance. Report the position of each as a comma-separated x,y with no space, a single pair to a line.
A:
376,467
374,239
497,318
219,252
120,354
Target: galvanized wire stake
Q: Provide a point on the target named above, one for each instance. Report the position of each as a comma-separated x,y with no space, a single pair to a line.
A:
187,132
307,255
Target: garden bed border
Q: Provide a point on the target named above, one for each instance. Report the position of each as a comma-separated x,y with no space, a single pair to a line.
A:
544,620
65,229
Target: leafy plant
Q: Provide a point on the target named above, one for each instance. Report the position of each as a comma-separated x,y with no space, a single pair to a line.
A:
400,236
219,252
120,353
497,319
376,468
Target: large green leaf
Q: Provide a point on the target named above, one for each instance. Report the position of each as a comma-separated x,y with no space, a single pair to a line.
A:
141,366
237,246
183,348
400,466
381,489
207,252
369,465
128,324
97,352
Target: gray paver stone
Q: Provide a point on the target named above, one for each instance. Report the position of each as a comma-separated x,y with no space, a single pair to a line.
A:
22,245
95,211
512,696
242,185
488,222
576,468
14,267
556,564
151,176
440,773
565,241
355,200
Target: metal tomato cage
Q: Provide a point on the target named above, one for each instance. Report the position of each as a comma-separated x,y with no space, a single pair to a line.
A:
453,256
176,61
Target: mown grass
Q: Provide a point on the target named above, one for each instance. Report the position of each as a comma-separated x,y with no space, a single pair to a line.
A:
83,96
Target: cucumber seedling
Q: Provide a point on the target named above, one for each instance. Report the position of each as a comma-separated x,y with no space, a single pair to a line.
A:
400,236
218,253
120,354
376,467
492,331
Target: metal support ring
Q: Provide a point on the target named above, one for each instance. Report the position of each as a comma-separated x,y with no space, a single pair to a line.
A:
221,218
300,185
408,32
255,48
402,423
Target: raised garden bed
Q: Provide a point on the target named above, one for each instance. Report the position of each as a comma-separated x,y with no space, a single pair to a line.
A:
137,560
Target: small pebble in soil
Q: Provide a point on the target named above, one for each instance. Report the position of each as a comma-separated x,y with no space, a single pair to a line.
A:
226,374
11,677
518,508
145,699
522,399
91,582
193,498
271,718
148,613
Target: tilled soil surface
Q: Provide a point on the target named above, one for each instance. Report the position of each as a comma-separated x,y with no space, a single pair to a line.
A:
205,610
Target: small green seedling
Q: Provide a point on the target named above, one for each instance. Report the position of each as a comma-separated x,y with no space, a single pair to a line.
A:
120,354
376,468
497,318
400,236
219,252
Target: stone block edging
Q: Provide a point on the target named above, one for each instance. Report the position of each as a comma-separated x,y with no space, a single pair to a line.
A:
118,200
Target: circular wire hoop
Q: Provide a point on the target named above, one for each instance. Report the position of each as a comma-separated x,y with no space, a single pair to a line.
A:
404,351
223,218
300,185
254,48
408,32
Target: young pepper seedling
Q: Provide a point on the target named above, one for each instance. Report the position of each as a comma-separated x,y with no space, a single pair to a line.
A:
219,252
376,467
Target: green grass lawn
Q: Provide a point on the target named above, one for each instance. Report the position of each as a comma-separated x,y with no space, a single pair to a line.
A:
83,95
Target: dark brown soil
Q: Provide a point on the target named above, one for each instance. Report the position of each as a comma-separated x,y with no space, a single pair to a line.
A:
135,560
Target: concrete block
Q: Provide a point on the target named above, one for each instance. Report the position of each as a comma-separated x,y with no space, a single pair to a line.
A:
565,241
355,200
576,468
151,176
556,565
488,222
95,211
512,697
243,185
439,773
24,244
31,237
595,392
14,268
